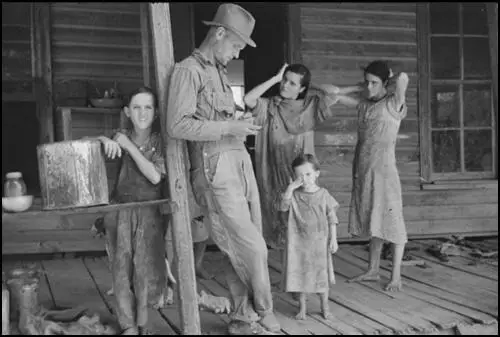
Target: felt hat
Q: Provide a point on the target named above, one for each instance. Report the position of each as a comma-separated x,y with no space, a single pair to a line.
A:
236,19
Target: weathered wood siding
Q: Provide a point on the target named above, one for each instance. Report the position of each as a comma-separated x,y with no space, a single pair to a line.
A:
337,40
98,42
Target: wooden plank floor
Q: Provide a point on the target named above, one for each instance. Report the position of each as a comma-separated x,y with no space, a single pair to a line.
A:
452,297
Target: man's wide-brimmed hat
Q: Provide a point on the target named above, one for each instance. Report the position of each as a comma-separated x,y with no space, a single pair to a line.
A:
236,19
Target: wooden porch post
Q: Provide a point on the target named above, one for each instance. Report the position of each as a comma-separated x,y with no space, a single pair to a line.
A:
175,160
41,50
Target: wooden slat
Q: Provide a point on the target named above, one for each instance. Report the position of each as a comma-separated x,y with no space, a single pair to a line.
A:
469,289
332,63
95,70
315,31
97,54
340,16
177,184
102,19
421,291
283,311
355,303
166,206
98,7
394,8
426,314
470,265
72,286
374,51
105,39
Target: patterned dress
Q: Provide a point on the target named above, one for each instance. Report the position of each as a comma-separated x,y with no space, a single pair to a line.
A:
308,265
376,203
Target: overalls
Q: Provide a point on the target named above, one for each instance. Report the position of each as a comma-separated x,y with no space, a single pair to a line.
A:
136,243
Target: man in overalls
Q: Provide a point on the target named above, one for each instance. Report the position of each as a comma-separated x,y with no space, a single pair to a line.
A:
201,109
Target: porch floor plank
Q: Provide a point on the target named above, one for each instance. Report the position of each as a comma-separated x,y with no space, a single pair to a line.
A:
373,305
101,274
422,315
465,289
467,264
444,298
72,286
423,292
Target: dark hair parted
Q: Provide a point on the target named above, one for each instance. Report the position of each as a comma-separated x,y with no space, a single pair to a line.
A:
378,68
143,90
305,81
306,158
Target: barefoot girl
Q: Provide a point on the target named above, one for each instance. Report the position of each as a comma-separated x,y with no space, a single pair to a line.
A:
376,203
136,238
311,235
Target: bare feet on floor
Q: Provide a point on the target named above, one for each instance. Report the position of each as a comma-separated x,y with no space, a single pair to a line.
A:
369,276
394,285
326,313
301,316
110,292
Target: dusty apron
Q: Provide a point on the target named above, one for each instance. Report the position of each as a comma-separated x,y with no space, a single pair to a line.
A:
137,246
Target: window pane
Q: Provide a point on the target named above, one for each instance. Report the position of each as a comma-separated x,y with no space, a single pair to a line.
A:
445,58
478,151
445,110
477,57
444,18
477,105
446,151
475,19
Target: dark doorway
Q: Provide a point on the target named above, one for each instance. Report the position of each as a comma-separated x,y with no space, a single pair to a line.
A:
270,35
20,137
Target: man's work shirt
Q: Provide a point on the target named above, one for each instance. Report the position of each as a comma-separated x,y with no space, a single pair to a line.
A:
200,100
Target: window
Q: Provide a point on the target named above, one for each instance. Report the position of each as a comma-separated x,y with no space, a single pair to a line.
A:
459,124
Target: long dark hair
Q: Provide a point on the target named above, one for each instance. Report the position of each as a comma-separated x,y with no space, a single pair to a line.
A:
305,81
378,68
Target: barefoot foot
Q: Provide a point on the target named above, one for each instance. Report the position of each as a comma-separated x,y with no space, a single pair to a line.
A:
394,285
326,314
301,316
110,292
369,276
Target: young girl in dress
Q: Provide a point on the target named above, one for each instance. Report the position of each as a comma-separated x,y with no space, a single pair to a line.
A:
136,243
311,234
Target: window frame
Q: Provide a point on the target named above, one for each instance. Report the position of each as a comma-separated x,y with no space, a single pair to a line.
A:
425,86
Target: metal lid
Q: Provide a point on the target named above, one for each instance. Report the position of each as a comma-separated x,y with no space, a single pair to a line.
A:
14,175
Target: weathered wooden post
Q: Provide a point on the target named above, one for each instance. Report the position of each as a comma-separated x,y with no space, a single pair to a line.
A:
175,158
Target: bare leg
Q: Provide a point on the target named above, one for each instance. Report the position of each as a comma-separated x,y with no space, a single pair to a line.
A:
325,308
302,311
397,257
376,245
199,253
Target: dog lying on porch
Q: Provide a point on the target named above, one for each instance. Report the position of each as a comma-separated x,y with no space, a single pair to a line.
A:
219,305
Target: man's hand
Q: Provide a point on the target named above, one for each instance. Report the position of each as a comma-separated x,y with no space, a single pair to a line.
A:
333,246
242,128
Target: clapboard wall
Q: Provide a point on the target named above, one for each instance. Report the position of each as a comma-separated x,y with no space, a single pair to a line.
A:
337,39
